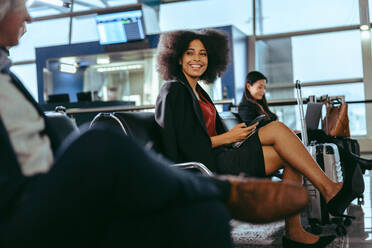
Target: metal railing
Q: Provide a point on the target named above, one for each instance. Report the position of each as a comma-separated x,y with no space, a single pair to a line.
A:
72,111
288,102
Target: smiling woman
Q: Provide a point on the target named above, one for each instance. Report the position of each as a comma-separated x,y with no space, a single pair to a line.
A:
192,130
194,63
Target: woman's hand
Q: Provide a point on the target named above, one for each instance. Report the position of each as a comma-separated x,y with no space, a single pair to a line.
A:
240,132
237,133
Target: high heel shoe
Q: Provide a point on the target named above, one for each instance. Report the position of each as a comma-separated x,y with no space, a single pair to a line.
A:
352,187
322,242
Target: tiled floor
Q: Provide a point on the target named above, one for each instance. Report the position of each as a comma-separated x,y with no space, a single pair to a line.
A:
359,233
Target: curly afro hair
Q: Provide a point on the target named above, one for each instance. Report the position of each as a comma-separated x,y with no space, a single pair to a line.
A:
172,46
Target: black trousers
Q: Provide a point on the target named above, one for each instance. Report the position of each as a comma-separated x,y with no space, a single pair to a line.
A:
106,191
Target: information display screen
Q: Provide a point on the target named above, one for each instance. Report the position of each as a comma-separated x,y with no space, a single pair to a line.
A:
120,27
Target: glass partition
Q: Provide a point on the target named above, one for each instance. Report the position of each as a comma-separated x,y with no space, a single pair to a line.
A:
122,77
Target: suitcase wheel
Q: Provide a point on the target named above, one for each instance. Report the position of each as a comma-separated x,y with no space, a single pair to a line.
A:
341,230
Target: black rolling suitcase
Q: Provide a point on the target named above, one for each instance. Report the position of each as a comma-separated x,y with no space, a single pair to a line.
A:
328,158
348,144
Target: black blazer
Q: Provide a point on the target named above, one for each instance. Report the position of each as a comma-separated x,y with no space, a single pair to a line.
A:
11,177
183,131
248,111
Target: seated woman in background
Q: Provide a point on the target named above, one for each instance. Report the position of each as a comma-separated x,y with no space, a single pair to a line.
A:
254,102
192,130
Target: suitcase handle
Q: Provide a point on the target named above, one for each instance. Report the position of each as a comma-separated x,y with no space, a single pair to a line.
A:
302,115
298,84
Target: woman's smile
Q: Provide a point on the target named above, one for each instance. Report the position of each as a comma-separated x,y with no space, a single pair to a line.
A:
194,61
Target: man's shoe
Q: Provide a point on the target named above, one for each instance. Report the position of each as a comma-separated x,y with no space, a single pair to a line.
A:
263,201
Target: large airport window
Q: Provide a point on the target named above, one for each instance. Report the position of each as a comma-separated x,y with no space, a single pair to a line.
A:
310,58
293,15
84,29
27,74
202,14
327,56
39,35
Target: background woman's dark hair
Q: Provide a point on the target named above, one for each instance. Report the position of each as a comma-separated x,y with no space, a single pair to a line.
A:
262,106
172,46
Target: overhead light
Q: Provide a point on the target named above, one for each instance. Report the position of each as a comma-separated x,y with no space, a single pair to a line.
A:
59,3
119,68
103,60
364,27
68,68
68,60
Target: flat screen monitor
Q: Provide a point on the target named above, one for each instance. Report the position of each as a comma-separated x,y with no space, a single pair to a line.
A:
120,27
57,98
84,96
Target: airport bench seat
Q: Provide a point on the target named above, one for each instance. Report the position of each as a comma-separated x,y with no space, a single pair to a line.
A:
143,128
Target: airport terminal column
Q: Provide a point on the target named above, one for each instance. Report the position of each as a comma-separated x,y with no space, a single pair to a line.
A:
365,35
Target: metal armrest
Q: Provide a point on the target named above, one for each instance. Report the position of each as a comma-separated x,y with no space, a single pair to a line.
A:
194,165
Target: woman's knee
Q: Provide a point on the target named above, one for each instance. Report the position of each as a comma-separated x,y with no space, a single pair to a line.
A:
273,131
278,125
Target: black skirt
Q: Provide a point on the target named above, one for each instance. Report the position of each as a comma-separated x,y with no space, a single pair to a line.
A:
247,159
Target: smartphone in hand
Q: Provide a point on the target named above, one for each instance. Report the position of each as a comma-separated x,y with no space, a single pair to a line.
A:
239,143
257,119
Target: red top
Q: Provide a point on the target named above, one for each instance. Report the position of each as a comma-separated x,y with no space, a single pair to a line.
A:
209,113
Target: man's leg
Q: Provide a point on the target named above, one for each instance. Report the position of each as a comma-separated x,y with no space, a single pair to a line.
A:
98,177
203,224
